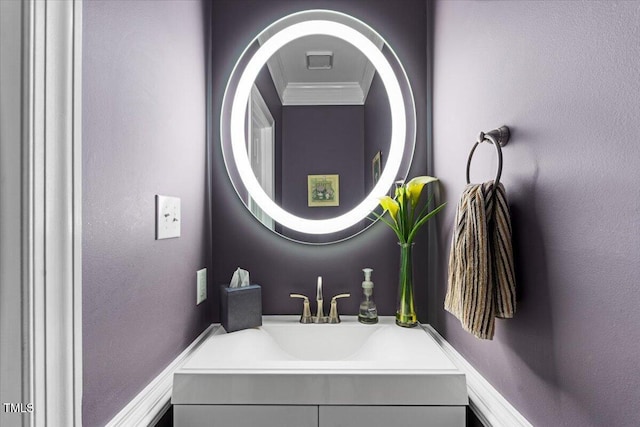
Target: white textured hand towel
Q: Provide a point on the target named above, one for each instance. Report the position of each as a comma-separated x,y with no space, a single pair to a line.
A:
481,274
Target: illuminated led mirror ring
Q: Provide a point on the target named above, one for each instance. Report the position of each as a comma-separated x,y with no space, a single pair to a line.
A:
239,110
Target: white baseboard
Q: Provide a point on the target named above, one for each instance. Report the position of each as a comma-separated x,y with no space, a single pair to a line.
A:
491,408
152,403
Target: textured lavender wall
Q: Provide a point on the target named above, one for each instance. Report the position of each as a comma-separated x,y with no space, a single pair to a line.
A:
279,265
564,76
143,134
377,129
317,140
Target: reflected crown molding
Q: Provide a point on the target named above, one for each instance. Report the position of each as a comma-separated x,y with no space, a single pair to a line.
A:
321,93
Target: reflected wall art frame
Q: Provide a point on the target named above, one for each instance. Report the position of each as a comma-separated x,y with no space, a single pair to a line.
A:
323,190
376,167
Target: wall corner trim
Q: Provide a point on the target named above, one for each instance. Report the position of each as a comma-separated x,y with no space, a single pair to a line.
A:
491,408
154,400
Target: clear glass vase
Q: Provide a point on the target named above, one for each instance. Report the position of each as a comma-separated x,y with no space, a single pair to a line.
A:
405,312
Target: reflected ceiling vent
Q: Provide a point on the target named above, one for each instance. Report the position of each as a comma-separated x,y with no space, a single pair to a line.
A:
319,60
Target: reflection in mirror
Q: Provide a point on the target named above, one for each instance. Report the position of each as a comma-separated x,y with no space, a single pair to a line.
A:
333,119
261,151
318,128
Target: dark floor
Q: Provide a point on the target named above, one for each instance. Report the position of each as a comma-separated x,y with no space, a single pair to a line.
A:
167,419
472,420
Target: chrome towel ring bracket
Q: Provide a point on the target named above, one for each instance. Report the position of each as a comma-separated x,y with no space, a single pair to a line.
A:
499,138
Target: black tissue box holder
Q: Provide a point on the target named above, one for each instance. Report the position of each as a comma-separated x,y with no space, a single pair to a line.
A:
240,308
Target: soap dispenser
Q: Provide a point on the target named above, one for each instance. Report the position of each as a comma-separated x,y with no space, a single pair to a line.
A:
368,312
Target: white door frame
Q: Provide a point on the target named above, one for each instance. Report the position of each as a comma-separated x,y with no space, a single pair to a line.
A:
260,116
46,145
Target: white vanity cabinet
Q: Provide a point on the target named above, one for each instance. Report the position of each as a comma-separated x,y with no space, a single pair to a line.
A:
388,416
286,374
317,416
245,416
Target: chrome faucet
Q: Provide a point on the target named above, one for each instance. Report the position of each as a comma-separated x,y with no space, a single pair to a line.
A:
334,317
320,317
306,311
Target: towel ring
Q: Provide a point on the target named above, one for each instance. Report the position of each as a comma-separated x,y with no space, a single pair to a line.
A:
499,138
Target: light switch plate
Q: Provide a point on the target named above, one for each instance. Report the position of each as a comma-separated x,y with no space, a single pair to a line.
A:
201,286
168,217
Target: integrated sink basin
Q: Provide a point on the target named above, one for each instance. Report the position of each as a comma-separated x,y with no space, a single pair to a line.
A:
284,362
320,342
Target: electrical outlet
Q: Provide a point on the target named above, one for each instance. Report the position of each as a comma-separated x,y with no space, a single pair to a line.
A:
201,287
167,217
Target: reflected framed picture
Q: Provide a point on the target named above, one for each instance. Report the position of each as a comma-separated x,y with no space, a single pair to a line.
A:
323,190
376,167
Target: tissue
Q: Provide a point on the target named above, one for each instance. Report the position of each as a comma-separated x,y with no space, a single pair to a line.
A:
240,278
240,303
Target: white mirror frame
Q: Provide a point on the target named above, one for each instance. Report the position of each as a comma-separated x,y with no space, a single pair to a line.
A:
238,157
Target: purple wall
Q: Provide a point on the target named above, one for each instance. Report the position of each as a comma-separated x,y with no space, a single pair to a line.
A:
377,129
564,76
143,134
317,140
305,137
282,266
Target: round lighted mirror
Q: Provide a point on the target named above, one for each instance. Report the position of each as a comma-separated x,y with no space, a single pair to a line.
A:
317,123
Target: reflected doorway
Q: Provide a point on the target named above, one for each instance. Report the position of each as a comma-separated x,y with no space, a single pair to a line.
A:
261,149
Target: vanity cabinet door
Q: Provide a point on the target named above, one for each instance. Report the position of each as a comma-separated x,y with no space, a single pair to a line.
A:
386,416
244,416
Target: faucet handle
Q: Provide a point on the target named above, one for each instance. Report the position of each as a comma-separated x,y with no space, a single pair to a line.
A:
306,310
334,317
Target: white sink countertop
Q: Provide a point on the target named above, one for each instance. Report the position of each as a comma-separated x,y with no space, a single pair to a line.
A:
286,362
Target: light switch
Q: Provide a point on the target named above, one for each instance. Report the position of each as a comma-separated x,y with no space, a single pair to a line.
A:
167,217
201,286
